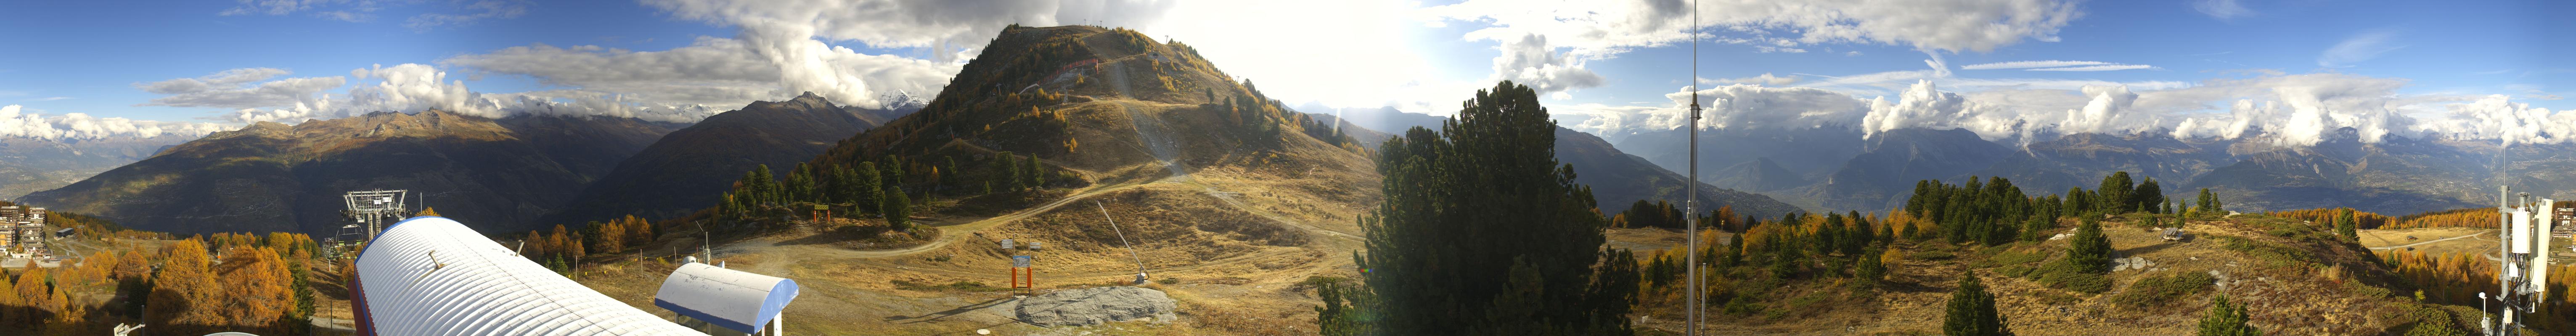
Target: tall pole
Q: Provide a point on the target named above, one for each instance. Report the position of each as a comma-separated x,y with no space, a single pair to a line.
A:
1122,240
2504,238
1690,194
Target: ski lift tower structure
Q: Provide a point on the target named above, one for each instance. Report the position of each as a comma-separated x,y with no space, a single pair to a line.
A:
2524,245
368,212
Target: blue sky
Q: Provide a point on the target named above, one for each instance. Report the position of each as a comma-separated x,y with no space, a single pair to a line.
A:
1607,67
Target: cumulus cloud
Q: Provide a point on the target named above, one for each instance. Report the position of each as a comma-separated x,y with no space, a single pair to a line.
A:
2358,48
16,123
1971,26
235,89
1922,105
790,36
2279,110
2100,113
1530,61
1731,106
1594,30
2302,110
2498,117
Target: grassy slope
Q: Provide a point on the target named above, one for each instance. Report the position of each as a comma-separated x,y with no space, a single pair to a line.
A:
2298,279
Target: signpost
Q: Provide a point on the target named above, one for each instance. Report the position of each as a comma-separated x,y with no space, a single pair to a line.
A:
1024,278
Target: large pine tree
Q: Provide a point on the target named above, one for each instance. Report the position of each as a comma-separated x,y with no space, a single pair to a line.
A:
1972,311
897,208
1480,224
2149,196
2089,249
2115,194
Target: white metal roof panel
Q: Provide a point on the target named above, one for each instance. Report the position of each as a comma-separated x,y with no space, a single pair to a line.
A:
738,300
434,276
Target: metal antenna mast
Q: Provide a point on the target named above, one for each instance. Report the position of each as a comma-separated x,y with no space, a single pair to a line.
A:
1122,240
1690,203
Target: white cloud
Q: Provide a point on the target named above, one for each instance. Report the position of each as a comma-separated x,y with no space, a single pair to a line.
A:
1530,61
417,87
790,36
2497,117
15,123
2358,48
2102,113
2222,9
2114,67
2030,64
234,89
1921,106
1595,30
712,71
2283,111
1964,26
224,79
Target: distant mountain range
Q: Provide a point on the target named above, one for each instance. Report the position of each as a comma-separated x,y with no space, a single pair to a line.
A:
687,169
1617,178
32,164
1836,168
270,177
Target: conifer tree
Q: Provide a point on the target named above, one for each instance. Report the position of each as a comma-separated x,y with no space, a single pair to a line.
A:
1871,269
1972,311
2114,195
1037,175
865,185
2226,319
2089,250
892,170
1488,180
799,186
2209,203
897,209
1011,171
764,187
2346,225
1346,309
2149,196
950,179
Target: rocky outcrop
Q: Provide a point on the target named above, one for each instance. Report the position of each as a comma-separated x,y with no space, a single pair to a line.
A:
1090,306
